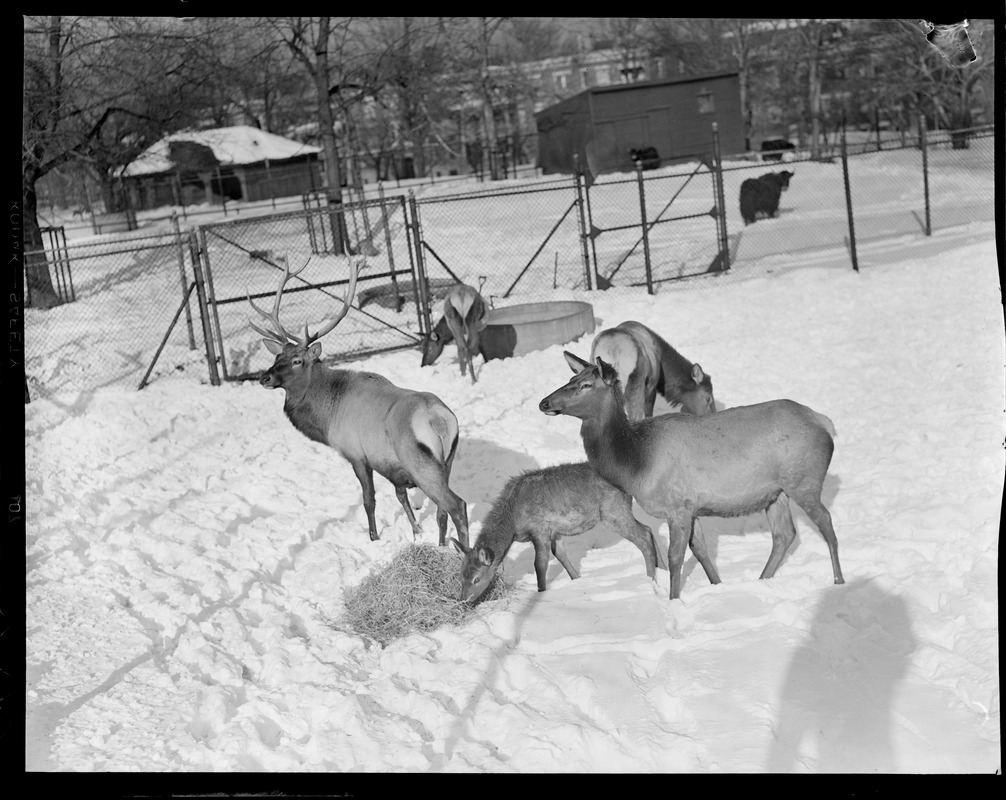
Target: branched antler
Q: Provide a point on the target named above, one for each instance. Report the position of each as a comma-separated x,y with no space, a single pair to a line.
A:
278,333
354,268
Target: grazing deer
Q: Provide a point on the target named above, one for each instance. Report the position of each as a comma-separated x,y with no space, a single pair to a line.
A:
680,466
465,316
541,506
646,365
408,437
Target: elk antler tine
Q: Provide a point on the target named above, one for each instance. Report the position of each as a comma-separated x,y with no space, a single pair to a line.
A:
354,269
279,333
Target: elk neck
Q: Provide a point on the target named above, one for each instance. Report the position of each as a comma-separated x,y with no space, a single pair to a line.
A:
311,403
499,529
612,443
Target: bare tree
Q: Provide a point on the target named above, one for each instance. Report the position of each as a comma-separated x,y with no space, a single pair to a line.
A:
97,90
325,49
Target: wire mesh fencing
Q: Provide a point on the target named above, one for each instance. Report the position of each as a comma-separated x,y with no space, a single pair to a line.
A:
121,297
523,237
653,227
245,258
125,293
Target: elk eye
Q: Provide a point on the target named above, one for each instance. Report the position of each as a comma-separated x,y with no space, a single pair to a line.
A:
585,386
297,362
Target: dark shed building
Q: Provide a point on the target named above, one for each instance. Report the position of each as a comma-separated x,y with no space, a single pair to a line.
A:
603,123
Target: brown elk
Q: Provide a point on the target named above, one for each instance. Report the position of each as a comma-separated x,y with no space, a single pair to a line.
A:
646,365
681,466
465,317
541,506
409,437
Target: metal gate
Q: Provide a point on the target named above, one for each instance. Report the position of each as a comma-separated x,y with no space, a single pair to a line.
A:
470,238
639,246
246,257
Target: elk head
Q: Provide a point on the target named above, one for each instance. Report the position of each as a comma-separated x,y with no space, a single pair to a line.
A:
295,356
586,392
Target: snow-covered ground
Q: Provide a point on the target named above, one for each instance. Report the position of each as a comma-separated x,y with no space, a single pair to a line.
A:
187,551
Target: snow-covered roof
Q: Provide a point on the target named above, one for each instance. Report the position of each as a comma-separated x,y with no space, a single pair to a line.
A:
239,144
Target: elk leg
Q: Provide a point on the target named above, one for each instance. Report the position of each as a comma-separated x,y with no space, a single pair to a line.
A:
540,560
366,477
698,545
633,530
679,533
780,521
431,478
559,551
821,517
403,498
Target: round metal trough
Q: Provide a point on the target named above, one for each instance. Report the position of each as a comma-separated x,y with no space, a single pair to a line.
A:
519,329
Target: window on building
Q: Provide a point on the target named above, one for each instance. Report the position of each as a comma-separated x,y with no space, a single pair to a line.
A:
661,68
706,105
585,77
603,76
561,80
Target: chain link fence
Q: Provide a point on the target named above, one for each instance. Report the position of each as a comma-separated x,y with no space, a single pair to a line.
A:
529,237
120,297
245,257
177,300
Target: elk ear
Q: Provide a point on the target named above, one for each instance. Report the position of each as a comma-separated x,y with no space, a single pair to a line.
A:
273,347
459,547
575,363
608,374
314,351
485,555
697,374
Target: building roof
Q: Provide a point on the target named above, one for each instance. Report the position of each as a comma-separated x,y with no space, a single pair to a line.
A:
574,99
239,144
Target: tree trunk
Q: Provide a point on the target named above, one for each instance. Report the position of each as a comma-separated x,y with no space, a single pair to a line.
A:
326,121
40,293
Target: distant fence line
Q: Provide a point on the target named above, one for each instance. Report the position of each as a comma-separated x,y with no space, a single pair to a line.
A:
123,297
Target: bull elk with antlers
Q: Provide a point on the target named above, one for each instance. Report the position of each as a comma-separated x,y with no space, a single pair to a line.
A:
409,437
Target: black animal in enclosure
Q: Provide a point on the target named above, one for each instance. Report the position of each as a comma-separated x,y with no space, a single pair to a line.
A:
760,196
647,157
772,149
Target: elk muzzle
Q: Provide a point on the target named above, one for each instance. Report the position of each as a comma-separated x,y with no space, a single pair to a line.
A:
269,380
550,406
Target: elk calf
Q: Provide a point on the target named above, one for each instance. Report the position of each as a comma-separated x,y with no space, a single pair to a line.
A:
680,466
465,316
408,437
541,506
646,365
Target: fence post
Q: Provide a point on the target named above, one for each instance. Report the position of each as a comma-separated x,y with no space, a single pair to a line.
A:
211,299
211,360
848,203
581,215
646,234
722,261
186,290
424,290
386,223
924,144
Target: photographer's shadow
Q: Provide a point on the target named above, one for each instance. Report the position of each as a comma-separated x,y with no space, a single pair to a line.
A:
834,714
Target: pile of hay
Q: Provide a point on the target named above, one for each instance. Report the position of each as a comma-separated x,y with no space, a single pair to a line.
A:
418,591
